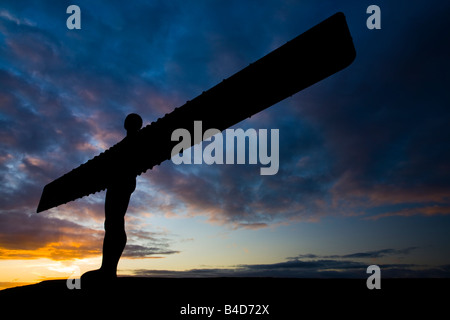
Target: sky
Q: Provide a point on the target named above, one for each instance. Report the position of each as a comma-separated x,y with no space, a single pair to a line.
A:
364,155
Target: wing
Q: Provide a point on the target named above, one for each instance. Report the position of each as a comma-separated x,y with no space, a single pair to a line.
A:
310,57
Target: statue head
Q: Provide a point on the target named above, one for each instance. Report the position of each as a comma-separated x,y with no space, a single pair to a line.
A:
133,122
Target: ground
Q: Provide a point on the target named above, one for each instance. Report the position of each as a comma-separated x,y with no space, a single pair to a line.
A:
232,298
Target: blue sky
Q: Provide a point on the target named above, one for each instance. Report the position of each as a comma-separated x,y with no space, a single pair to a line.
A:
364,154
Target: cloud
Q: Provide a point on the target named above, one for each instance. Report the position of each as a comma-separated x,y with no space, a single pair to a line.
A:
138,252
4,14
304,269
238,196
35,236
147,244
307,265
353,265
433,210
361,255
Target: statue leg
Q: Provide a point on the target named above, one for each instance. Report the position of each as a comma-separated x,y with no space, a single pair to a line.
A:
116,204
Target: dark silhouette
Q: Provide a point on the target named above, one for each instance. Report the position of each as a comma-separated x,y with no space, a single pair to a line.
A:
166,298
310,57
116,203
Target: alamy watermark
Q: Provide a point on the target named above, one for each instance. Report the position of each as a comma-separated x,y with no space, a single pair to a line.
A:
374,281
235,142
74,281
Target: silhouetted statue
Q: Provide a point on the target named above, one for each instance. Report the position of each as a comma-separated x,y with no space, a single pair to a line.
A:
122,185
310,57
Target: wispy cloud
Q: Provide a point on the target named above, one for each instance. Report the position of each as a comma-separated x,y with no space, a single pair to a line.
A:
322,268
360,255
353,265
5,14
36,236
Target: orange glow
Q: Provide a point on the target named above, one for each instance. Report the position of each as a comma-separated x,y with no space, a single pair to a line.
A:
54,251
